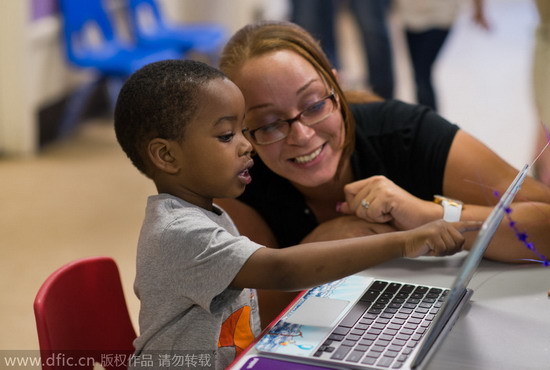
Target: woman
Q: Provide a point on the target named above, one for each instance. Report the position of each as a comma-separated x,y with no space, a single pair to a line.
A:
327,169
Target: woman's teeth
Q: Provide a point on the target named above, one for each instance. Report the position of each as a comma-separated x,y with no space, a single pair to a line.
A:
309,157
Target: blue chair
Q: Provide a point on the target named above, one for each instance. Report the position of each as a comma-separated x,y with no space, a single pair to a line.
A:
91,42
151,30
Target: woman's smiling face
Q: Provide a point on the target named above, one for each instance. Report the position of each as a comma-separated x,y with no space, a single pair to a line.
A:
279,86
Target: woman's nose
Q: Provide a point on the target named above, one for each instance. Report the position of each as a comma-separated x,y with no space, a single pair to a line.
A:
299,133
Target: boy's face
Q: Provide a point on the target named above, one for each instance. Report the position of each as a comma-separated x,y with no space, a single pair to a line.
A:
214,155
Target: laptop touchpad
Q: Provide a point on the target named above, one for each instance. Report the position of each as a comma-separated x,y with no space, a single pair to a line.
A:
317,311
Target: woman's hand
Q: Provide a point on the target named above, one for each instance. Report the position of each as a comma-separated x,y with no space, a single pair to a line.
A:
377,199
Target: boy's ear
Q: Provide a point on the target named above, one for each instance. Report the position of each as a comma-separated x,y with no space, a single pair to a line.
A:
161,154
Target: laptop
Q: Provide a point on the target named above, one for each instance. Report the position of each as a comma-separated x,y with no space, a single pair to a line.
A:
364,323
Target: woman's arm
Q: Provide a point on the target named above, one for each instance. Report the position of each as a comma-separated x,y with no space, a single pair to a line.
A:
473,173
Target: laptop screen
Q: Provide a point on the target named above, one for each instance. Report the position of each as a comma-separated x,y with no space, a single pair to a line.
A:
488,230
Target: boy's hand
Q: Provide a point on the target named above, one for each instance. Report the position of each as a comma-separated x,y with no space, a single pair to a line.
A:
437,238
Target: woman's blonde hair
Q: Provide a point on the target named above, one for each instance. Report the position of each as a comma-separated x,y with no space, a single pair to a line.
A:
264,37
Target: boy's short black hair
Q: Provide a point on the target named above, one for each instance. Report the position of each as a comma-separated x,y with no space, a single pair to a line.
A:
159,100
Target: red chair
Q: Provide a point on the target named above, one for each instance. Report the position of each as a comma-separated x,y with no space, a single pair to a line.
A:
82,317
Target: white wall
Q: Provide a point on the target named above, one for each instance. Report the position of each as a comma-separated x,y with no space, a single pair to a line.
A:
17,129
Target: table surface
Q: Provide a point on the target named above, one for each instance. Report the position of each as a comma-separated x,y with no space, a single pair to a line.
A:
506,325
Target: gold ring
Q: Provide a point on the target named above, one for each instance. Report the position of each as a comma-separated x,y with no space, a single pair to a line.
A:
365,204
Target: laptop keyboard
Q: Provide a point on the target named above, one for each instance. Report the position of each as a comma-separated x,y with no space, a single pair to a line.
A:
385,325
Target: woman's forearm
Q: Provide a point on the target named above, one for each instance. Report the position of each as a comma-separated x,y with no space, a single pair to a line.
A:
528,221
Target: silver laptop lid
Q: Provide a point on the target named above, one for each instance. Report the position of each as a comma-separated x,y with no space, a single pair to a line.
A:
486,233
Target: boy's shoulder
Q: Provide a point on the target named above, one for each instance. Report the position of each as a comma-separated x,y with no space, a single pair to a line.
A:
168,209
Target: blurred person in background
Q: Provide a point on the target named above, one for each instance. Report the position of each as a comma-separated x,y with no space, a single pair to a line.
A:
427,23
318,17
541,87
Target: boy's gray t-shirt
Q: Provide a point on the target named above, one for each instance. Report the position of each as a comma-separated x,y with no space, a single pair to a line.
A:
186,259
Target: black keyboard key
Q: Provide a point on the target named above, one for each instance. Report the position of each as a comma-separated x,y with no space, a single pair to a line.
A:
353,337
407,289
400,342
392,288
381,343
394,305
395,348
340,353
369,360
355,356
341,330
374,354
370,296
383,320
372,332
336,337
370,336
378,285
378,325
385,362
377,348
385,337
365,321
365,342
395,326
421,289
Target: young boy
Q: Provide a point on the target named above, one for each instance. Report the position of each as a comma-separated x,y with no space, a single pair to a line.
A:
180,123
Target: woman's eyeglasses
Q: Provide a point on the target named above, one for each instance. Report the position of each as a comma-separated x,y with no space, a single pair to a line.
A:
310,116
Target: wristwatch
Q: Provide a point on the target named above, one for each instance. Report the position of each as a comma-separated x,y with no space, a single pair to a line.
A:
452,208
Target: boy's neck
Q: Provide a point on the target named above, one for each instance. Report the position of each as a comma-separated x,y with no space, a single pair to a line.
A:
189,197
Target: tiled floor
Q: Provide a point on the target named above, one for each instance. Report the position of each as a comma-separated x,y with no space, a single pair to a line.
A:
82,197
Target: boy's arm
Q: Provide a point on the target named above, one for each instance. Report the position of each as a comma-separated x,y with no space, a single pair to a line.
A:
311,264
